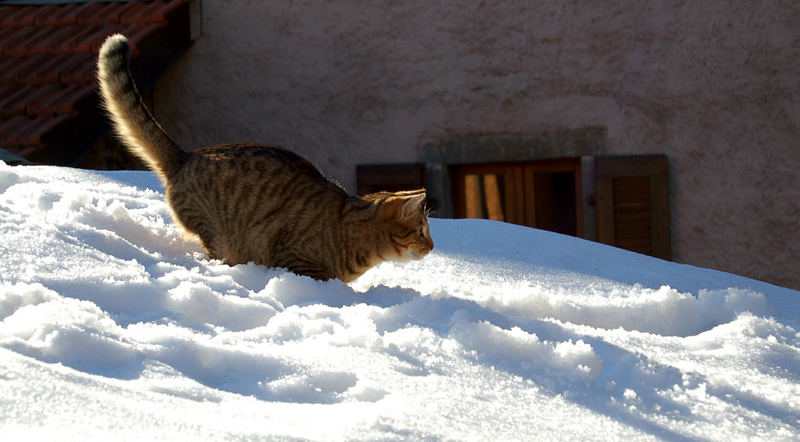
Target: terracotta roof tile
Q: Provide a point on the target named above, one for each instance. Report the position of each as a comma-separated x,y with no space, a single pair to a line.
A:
55,99
14,102
16,130
14,41
53,40
8,67
24,131
6,89
154,12
113,13
36,97
62,101
47,60
67,16
18,16
52,15
139,33
77,69
48,71
78,40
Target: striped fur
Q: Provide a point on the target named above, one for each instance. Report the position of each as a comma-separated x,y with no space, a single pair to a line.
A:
263,204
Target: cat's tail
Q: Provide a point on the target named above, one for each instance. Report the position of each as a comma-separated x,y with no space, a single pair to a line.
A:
133,122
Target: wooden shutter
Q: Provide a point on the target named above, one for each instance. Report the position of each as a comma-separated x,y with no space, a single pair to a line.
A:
633,203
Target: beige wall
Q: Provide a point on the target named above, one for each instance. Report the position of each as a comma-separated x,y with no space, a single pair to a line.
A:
715,85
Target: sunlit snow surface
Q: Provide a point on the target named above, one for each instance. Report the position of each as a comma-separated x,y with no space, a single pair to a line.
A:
114,326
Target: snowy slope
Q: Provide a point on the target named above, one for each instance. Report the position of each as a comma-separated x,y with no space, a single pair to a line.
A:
114,326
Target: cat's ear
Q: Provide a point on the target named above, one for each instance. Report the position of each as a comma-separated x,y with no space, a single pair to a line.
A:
402,205
412,205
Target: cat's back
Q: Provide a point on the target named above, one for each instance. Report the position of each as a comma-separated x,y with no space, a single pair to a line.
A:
247,165
249,158
237,195
243,172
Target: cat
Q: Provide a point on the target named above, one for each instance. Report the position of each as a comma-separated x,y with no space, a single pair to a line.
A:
251,202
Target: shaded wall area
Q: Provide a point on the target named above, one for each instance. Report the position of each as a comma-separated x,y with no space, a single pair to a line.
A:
713,86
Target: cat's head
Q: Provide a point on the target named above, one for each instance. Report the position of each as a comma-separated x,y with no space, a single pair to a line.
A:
404,218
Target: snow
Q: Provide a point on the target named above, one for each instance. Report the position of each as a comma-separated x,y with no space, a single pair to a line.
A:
114,326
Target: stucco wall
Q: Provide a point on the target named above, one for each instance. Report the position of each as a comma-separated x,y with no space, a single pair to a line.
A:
715,85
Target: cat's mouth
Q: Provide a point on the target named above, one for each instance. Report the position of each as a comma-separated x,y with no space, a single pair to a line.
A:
416,255
410,255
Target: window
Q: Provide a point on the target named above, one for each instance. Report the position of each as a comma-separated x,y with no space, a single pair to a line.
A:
622,201
544,194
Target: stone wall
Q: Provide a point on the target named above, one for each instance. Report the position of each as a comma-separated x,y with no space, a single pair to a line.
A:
714,85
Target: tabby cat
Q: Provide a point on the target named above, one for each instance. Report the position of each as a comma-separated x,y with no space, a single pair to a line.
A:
265,204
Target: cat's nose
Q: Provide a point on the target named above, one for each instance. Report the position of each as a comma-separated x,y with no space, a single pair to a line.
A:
423,252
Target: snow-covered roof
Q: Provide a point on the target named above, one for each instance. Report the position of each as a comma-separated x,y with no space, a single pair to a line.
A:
113,326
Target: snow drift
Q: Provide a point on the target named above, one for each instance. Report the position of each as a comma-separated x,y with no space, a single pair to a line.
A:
112,325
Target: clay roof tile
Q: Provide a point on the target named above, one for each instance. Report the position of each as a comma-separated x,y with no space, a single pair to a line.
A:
92,14
15,42
51,15
77,69
22,67
26,131
153,12
15,17
57,36
47,62
7,65
138,34
14,102
33,100
17,130
47,71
